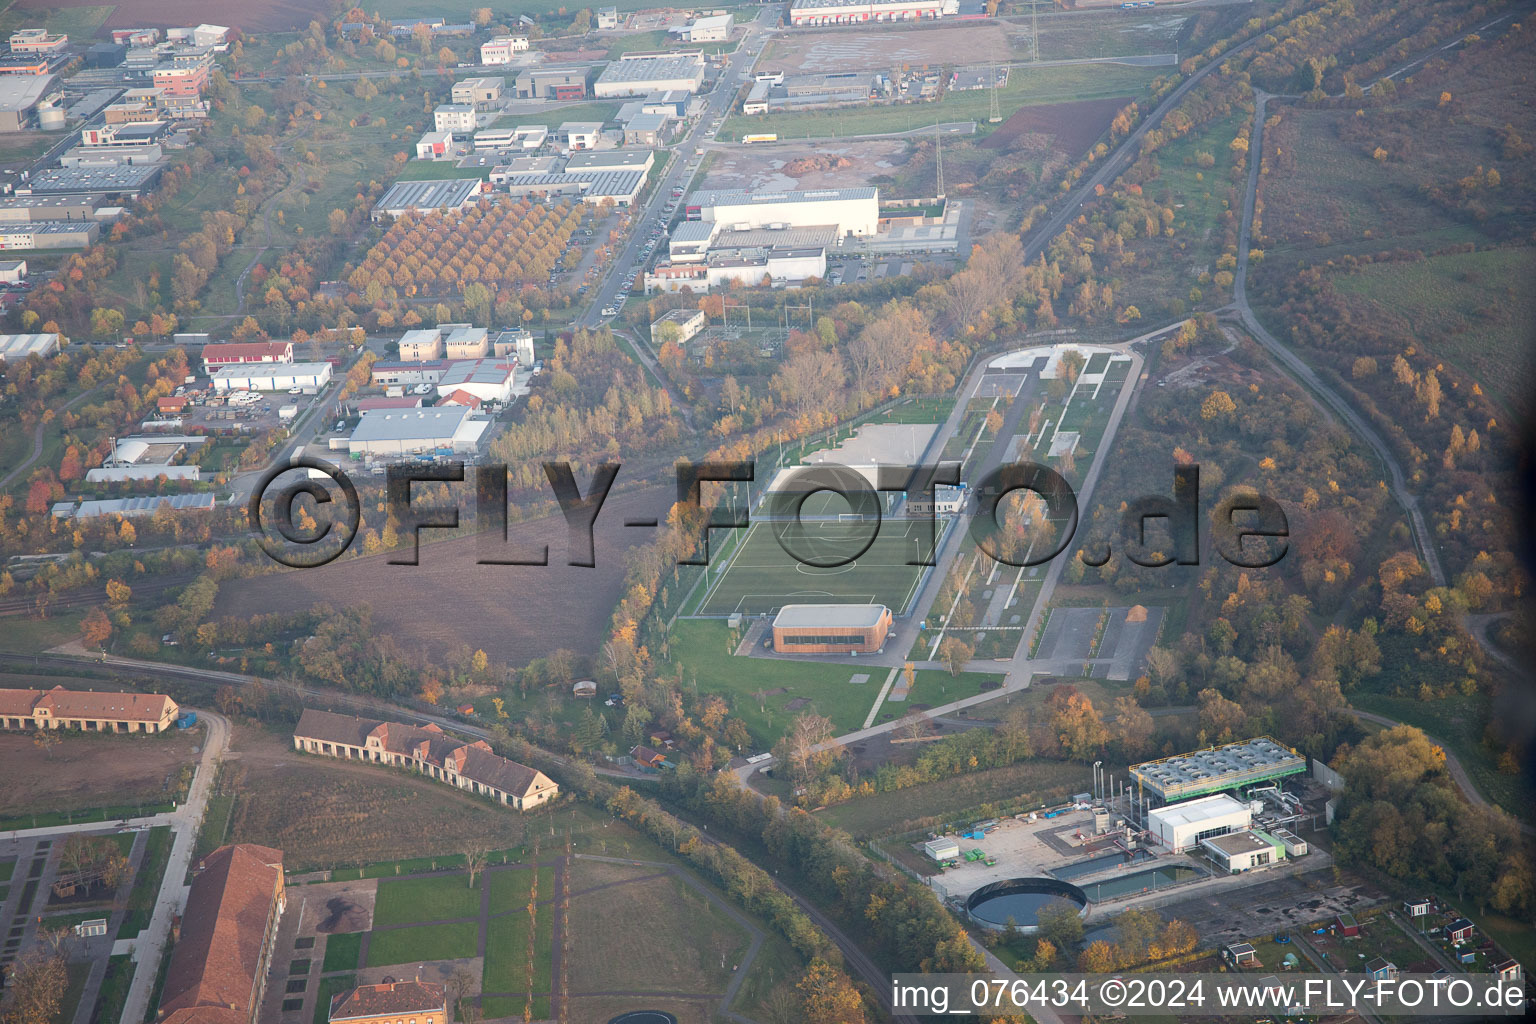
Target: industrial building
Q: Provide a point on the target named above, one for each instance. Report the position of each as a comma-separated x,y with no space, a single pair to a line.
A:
413,431
593,187
489,380
1243,851
643,74
271,376
942,849
551,84
464,341
814,91
391,374
20,96
147,458
818,13
479,92
426,197
516,344
127,508
831,628
239,353
645,130
118,180
49,234
21,209
524,136
12,271
639,160
1233,766
713,29
689,322
37,40
579,134
500,49
855,211
1183,826
434,146
16,347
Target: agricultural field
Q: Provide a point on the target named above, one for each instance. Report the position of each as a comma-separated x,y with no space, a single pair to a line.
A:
257,16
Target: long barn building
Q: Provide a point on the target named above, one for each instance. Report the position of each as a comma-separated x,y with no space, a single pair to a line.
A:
817,13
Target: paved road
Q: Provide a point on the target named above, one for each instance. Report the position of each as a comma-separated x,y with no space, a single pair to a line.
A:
37,438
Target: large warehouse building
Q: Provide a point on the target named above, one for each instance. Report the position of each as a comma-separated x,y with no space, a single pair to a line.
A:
854,211
1182,826
271,376
814,13
1233,766
426,197
643,74
831,628
411,431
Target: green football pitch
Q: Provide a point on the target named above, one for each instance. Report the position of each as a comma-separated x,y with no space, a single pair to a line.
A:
763,577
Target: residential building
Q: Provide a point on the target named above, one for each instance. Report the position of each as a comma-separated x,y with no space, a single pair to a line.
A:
427,749
688,323
463,341
499,50
218,967
86,710
647,757
551,84
38,40
579,134
819,13
271,376
479,93
390,1002
49,234
457,118
435,146
416,431
240,353
713,29
831,628
421,345
643,74
426,197
517,343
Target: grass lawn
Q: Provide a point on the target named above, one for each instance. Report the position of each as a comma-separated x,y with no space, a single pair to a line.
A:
437,898
7,869
342,952
114,990
1026,87
509,889
506,960
32,636
146,885
70,1001
423,943
441,170
79,23
327,991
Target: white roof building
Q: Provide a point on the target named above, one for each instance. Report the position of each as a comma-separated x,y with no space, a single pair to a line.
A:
271,376
411,431
1184,825
855,211
16,347
130,507
641,75
490,380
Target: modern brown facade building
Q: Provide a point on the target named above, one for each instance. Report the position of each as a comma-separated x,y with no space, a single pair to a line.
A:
831,628
86,710
429,750
219,965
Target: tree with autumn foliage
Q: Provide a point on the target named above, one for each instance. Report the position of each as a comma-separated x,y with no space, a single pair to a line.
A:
827,996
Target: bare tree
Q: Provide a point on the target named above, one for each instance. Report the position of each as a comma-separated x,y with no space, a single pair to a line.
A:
475,854
913,725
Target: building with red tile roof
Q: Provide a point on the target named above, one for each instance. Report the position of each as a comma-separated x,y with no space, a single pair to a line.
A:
421,1001
86,710
218,967
217,356
427,749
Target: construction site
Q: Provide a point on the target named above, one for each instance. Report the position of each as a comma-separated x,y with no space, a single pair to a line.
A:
1213,819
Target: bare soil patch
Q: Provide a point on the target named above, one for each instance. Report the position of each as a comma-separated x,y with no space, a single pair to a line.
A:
326,814
513,612
1072,127
786,166
250,15
342,914
86,771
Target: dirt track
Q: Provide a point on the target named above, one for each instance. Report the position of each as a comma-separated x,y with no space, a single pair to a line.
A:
1072,127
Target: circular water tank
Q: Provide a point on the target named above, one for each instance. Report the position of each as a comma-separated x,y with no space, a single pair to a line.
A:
50,119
